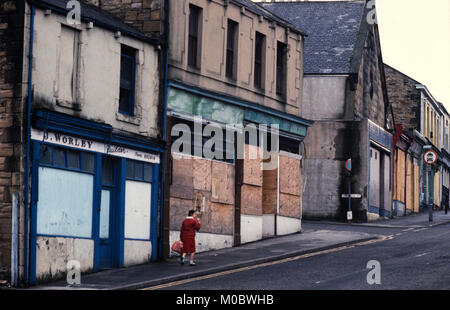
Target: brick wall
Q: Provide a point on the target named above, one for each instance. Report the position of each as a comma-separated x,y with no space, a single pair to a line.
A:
404,97
11,53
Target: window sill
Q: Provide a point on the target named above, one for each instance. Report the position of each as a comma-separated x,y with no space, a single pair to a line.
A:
68,104
134,120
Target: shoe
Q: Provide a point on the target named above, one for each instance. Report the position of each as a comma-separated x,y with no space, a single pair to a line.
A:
181,260
192,264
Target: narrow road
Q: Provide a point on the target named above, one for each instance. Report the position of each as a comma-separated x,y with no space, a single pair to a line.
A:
414,258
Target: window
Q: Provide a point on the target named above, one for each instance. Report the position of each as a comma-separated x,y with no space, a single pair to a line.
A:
68,64
260,42
139,171
231,49
66,158
281,68
194,36
127,76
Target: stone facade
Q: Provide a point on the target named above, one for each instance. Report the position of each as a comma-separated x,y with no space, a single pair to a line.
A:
143,15
11,51
402,95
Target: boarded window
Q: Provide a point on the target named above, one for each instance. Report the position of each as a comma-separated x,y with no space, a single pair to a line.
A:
65,203
68,64
137,210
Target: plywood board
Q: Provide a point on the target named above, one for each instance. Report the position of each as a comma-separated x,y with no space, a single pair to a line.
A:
221,218
251,200
409,186
182,178
290,206
253,173
202,174
179,209
222,182
290,176
270,190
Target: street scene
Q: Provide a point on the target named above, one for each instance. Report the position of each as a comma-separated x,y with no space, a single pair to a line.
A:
224,145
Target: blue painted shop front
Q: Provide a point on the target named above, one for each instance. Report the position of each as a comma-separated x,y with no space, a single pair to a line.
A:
94,197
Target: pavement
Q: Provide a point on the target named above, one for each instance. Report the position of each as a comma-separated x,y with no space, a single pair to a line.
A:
315,238
416,220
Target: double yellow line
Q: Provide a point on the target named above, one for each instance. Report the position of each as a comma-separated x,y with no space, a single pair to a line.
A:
281,261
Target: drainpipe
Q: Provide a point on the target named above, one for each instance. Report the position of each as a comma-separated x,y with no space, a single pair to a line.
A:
27,163
165,90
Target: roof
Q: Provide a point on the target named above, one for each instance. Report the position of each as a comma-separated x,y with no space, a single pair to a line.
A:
260,10
332,28
90,13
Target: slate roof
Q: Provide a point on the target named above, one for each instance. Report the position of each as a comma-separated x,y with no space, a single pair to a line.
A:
332,28
90,13
260,10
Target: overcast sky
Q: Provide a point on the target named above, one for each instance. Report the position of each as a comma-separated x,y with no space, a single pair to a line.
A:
415,39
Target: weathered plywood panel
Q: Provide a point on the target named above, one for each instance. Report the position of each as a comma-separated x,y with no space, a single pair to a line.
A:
202,174
179,209
253,172
437,199
399,193
251,200
290,176
221,218
182,177
222,183
409,186
270,191
290,206
416,188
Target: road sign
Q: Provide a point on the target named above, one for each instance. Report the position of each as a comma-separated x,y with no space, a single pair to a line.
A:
355,196
348,165
430,157
349,215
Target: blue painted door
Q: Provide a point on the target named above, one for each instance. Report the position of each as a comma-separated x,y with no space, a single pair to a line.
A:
107,211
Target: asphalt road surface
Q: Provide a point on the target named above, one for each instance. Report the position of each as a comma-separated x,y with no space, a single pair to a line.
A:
414,258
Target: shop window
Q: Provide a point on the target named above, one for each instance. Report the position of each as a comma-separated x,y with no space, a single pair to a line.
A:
65,203
137,210
139,171
200,143
66,158
108,170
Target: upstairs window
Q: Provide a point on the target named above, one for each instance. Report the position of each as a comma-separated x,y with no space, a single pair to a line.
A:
231,49
127,80
281,68
195,14
260,42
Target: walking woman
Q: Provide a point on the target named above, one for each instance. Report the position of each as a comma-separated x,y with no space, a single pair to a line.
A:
187,235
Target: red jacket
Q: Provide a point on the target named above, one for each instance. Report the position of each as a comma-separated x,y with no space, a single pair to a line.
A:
189,227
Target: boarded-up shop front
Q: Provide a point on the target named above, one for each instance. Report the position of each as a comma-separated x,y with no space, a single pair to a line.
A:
380,172
94,198
248,190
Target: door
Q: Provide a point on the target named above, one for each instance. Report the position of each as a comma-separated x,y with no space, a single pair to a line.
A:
374,199
107,211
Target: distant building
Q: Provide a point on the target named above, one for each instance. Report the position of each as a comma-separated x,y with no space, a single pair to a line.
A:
345,95
425,121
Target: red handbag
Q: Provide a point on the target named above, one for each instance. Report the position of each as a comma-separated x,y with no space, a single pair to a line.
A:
177,246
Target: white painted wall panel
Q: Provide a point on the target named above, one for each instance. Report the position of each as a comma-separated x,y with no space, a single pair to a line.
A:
137,252
137,210
251,228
